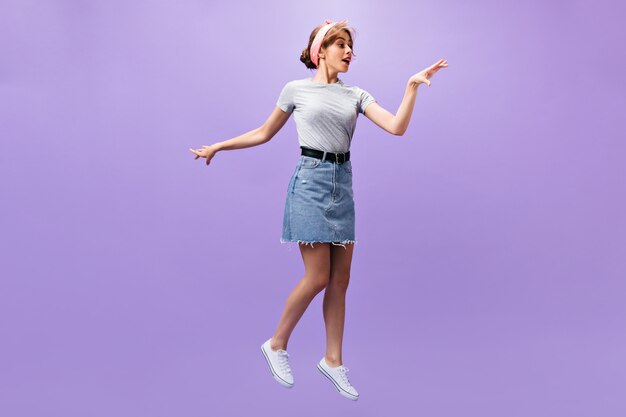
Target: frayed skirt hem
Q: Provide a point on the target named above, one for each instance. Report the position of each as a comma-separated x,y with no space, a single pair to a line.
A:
343,243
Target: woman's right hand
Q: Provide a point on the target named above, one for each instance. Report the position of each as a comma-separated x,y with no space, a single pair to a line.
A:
207,152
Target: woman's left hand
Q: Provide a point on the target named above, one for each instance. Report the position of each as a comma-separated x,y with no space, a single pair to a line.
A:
425,75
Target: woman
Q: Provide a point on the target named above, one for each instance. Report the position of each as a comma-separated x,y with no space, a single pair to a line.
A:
319,208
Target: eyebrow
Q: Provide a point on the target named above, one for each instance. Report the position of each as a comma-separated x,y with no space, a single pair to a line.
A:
342,39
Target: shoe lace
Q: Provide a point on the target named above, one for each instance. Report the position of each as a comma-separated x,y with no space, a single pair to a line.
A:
343,373
283,361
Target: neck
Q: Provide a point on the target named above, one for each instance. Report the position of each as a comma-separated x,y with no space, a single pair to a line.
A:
325,76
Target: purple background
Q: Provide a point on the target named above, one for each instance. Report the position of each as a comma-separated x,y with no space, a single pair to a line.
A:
488,277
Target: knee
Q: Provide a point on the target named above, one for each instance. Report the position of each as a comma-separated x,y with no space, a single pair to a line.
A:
319,280
340,280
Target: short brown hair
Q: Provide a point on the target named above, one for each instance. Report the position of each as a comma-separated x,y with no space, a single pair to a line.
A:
331,36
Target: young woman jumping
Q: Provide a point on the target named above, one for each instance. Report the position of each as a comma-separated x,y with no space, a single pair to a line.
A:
319,207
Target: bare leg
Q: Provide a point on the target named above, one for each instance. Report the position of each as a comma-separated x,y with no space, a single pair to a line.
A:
316,276
335,301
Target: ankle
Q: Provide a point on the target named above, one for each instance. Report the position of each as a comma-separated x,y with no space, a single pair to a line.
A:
277,345
333,362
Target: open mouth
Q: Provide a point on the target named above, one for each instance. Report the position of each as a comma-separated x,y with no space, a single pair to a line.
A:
347,61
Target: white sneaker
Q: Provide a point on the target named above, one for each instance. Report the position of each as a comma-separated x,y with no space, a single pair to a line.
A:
278,362
339,377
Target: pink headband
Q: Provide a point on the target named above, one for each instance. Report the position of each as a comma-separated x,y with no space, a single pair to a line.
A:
319,37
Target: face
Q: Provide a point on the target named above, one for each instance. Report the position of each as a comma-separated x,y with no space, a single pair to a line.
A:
339,50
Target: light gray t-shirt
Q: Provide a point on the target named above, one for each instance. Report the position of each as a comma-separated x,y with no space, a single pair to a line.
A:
325,114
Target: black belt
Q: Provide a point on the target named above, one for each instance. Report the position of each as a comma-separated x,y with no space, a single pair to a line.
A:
338,158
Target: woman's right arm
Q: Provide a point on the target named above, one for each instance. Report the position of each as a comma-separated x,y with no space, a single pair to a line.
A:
255,137
258,136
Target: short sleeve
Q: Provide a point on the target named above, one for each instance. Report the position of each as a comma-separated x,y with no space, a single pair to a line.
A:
365,99
285,99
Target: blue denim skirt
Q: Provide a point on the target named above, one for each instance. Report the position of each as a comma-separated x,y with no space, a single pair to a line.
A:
320,203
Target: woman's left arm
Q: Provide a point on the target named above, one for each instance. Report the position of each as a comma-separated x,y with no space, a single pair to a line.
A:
399,123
